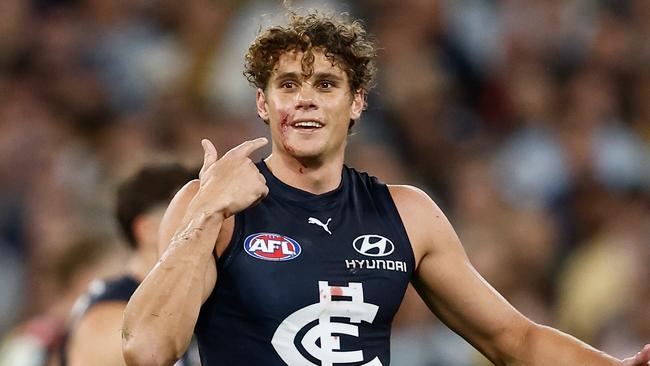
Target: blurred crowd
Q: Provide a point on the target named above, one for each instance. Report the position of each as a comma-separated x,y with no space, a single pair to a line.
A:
528,122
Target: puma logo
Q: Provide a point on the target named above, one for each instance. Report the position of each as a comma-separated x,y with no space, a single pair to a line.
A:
320,223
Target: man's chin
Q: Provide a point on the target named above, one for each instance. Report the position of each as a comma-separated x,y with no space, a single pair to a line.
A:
303,150
307,156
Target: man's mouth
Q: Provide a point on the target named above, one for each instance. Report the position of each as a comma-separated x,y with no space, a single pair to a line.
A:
307,125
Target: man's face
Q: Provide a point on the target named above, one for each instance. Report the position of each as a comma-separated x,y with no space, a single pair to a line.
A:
309,116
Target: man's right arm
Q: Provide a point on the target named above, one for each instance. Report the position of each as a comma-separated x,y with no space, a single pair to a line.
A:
161,315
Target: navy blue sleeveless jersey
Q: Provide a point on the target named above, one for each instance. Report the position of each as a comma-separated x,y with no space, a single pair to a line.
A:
309,279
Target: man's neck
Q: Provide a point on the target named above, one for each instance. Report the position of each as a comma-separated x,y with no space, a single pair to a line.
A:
312,176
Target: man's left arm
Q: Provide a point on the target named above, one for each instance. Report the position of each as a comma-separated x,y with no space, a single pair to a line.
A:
464,301
543,343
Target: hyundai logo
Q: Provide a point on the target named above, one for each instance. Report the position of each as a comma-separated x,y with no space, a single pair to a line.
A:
373,245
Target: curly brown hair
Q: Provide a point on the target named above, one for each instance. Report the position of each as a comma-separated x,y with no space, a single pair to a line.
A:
344,42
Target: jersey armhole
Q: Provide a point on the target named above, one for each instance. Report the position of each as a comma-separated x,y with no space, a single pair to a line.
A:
392,213
229,253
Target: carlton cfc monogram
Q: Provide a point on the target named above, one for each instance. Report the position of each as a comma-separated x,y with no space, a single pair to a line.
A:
326,331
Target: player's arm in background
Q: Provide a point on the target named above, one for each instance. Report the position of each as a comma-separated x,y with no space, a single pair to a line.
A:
464,301
96,339
160,317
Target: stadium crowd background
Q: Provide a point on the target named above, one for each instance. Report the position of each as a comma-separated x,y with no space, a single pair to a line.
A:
528,121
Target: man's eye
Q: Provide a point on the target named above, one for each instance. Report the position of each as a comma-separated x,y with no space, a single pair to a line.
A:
288,85
326,85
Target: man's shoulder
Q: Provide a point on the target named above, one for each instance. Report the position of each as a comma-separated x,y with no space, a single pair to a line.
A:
103,305
415,207
97,335
100,321
423,220
102,315
410,196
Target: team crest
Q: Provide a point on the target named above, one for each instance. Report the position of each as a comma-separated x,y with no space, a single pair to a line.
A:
271,247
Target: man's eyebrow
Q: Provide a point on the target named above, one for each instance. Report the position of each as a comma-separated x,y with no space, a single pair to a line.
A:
316,76
288,75
326,76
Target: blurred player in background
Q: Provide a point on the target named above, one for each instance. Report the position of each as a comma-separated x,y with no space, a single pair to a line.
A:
95,331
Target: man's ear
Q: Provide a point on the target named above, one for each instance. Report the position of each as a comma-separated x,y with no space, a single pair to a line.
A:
142,229
260,101
358,104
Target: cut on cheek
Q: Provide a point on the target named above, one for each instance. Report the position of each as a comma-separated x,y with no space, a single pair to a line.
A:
285,121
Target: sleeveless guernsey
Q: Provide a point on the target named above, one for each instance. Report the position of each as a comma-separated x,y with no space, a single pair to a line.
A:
309,279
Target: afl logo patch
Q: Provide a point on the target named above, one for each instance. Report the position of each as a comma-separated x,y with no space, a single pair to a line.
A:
373,245
271,247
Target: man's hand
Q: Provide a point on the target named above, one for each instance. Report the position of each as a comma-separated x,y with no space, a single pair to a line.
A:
230,184
640,359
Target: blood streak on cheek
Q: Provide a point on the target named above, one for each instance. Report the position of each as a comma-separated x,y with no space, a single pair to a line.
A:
284,122
284,128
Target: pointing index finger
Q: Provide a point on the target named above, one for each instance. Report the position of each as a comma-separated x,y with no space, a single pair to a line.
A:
246,148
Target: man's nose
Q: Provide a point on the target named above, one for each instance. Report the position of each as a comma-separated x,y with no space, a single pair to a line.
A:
306,98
